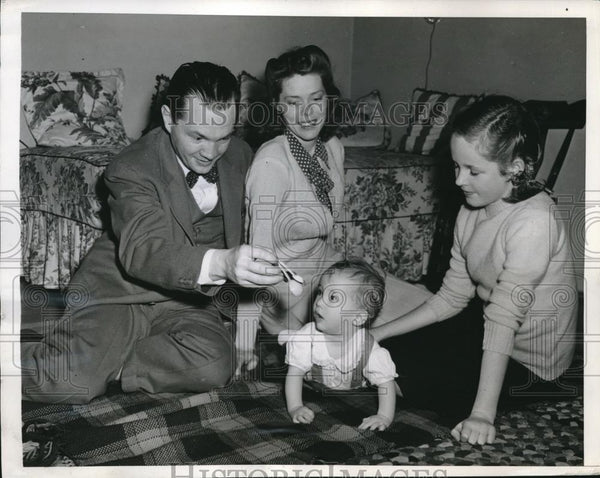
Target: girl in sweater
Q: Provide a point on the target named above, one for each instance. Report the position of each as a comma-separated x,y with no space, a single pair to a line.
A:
511,252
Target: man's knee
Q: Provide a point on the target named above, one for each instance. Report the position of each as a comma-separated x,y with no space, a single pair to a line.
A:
218,371
76,391
52,375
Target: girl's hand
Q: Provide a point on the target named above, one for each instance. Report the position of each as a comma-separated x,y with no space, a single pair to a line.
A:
476,430
302,414
376,333
375,422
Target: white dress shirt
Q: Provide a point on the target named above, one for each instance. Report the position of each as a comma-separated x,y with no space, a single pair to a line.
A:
206,195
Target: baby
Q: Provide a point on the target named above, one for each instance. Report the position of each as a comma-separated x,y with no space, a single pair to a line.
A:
336,350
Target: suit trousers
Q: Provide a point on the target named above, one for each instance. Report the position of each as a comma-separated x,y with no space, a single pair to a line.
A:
171,346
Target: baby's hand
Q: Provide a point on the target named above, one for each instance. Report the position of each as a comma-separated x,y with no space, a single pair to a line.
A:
475,430
375,422
302,414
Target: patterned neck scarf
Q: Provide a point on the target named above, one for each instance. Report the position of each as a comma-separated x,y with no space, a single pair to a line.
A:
311,168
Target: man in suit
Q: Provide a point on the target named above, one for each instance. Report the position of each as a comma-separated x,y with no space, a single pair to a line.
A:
145,313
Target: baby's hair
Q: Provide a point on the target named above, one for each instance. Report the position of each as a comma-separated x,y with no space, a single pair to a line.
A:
372,284
504,130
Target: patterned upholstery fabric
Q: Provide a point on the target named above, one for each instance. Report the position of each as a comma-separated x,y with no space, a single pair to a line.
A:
62,207
391,204
252,90
430,126
389,217
74,108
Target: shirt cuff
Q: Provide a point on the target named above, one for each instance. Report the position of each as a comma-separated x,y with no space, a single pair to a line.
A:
204,278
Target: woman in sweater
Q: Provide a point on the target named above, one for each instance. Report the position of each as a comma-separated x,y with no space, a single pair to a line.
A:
294,190
511,252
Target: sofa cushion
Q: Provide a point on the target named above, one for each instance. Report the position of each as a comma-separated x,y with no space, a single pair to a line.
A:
362,122
74,108
430,125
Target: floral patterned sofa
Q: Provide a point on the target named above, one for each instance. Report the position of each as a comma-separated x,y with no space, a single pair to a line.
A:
391,196
389,217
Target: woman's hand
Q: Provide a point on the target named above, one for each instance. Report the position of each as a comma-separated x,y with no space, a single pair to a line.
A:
245,358
247,321
476,429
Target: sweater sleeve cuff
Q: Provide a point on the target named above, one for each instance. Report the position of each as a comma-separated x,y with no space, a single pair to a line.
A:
498,338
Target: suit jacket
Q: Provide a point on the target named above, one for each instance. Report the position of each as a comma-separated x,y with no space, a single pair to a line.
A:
149,255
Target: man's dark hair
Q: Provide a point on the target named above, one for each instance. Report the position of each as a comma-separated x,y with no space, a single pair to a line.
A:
213,84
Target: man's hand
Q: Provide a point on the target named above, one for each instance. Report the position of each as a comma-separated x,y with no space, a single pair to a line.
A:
246,265
302,414
476,429
375,422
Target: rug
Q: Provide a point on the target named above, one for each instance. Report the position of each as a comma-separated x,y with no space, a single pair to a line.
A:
540,434
244,423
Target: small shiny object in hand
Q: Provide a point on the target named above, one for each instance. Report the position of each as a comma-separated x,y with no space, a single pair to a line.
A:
295,287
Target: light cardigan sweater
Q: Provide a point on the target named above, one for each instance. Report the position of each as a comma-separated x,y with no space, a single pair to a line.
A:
284,215
515,257
283,212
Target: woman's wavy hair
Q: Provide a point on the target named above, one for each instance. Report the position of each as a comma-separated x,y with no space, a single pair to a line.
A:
504,130
302,61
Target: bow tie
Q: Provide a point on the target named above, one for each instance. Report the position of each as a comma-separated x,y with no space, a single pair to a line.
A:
212,177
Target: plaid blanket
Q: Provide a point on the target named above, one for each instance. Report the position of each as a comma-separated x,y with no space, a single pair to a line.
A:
244,423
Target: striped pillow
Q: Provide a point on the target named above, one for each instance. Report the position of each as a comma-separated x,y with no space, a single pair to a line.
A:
432,113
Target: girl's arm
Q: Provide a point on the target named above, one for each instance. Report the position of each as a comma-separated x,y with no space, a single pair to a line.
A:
479,427
386,411
529,242
293,396
420,317
454,295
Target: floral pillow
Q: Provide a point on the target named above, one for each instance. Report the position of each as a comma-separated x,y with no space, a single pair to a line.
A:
74,108
160,90
256,119
254,100
430,126
362,122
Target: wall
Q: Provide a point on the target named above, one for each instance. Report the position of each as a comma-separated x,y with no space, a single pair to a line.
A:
146,45
528,58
